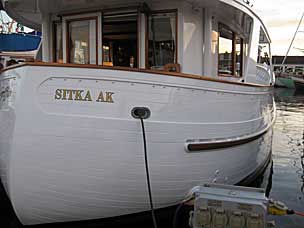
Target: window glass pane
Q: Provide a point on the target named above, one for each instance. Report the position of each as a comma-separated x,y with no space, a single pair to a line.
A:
276,68
162,40
239,56
299,70
264,49
289,69
120,40
225,51
58,43
82,51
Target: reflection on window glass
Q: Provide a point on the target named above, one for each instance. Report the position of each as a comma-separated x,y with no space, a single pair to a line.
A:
231,52
239,56
214,44
58,43
264,49
82,51
162,39
225,50
263,55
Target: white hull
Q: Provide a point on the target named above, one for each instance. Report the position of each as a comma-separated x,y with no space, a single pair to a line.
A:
67,160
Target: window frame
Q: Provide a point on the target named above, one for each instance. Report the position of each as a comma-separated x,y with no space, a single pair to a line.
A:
138,30
68,45
234,54
175,11
55,43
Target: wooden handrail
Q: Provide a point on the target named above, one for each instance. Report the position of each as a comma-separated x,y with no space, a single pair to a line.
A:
158,72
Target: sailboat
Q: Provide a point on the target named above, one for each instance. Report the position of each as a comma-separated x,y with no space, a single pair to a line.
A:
290,79
71,144
15,43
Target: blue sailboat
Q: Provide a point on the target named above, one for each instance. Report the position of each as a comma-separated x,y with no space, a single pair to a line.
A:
19,42
16,45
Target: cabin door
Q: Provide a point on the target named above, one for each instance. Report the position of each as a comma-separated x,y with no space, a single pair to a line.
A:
120,39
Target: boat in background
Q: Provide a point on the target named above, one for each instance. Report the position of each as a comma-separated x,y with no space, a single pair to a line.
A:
284,80
16,45
288,67
299,84
19,42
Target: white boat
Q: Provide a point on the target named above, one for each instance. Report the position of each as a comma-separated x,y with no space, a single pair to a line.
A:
70,148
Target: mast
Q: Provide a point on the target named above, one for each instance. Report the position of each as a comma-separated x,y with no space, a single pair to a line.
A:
294,37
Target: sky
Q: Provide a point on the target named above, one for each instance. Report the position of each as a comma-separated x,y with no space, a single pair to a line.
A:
281,18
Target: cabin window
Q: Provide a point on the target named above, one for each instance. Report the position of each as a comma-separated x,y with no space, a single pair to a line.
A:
263,49
58,50
225,51
299,70
231,52
276,68
239,45
82,41
289,69
120,40
162,39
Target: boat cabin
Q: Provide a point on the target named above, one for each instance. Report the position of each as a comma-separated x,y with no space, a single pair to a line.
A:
221,38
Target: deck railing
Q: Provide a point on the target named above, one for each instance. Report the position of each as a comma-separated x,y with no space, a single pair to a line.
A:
264,73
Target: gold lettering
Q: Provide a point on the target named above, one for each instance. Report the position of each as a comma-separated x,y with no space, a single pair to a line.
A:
109,97
71,92
58,94
88,96
64,96
78,96
100,97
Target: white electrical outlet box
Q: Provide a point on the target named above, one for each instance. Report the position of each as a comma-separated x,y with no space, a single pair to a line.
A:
222,206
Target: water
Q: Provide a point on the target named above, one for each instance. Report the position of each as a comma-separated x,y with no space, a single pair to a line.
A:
287,180
288,155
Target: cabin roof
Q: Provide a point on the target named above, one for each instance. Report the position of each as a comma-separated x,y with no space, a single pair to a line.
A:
27,12
291,60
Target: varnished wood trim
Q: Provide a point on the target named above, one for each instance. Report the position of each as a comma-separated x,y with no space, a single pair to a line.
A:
229,142
68,36
195,147
176,37
146,41
54,38
175,74
234,54
228,76
138,31
76,13
242,58
147,33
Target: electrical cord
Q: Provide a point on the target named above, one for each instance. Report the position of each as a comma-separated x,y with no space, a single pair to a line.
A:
147,172
176,214
280,209
299,213
179,207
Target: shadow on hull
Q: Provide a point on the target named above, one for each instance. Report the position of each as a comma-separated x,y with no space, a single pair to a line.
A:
262,178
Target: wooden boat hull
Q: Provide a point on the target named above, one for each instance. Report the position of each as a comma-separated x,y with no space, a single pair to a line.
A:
68,155
285,82
299,84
